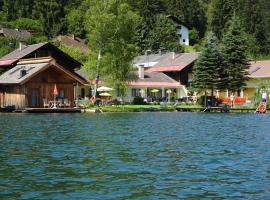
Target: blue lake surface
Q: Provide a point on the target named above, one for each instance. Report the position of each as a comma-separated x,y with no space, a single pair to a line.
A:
135,156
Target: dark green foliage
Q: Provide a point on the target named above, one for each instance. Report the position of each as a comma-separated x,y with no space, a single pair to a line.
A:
164,35
53,17
209,66
138,101
255,18
234,49
209,101
194,37
220,12
190,12
7,45
26,24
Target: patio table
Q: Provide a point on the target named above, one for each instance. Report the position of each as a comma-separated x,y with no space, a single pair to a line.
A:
53,104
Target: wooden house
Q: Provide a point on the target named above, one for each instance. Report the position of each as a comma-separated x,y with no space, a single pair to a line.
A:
29,79
175,68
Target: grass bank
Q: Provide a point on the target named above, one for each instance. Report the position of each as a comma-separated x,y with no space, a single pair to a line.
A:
146,108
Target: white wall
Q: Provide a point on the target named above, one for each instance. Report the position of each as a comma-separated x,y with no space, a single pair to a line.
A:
184,34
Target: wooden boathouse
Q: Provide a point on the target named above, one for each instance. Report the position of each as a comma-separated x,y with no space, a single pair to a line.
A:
29,81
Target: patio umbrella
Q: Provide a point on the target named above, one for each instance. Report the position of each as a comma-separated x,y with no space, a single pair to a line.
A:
105,94
155,90
55,93
55,90
104,89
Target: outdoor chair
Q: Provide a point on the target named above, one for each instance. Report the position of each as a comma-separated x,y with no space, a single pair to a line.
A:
45,103
60,103
66,103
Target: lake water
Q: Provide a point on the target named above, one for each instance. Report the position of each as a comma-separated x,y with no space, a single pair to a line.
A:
135,156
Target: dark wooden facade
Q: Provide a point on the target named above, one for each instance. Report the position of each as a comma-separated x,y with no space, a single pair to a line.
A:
41,86
182,76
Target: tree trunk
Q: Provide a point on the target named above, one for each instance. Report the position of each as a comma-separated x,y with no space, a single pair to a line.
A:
212,97
205,98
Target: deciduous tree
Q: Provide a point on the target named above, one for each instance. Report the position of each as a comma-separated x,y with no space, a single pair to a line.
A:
110,25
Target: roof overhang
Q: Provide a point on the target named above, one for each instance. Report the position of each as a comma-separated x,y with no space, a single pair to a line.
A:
258,77
177,68
8,62
49,62
157,84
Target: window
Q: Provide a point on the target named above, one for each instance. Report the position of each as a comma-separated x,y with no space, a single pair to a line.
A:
82,93
184,40
189,77
90,92
135,92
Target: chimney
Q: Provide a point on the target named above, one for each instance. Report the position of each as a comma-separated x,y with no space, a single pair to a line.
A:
147,52
161,51
141,71
23,72
21,46
173,55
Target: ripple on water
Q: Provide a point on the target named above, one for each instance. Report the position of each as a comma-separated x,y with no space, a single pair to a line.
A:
134,156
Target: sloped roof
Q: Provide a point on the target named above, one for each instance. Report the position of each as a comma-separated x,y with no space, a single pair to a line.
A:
149,60
33,67
175,62
82,74
13,76
154,79
178,21
73,42
7,63
17,54
63,58
15,33
259,69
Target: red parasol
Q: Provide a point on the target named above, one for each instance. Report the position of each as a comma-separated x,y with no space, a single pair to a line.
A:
55,90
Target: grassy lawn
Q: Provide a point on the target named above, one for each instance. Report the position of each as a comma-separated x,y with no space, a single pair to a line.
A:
145,108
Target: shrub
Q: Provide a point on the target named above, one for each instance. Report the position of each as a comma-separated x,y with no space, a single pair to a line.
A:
208,101
138,101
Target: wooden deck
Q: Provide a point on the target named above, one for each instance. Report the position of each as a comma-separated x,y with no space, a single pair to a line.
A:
53,110
215,109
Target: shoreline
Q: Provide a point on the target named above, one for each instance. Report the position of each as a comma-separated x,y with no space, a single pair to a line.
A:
135,109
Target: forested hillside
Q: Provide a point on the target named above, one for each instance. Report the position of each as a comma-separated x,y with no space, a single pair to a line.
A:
50,18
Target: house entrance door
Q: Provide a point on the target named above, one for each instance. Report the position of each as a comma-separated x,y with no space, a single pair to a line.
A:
34,98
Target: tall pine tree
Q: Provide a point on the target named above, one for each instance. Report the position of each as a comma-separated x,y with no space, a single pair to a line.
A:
206,73
234,49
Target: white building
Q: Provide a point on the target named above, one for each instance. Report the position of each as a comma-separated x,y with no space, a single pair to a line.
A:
184,34
182,30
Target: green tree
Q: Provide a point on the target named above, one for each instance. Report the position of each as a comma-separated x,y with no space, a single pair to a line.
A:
75,22
194,37
7,45
74,53
207,72
191,13
110,25
26,24
148,10
17,8
164,35
51,16
219,13
235,53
